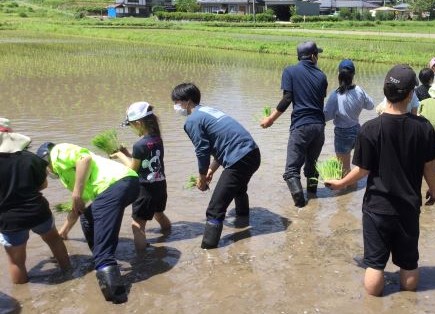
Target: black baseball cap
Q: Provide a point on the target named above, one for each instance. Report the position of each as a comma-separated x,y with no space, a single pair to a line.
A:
399,81
306,49
43,151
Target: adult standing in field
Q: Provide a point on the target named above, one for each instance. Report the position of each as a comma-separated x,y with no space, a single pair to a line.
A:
213,133
395,150
304,85
344,106
22,205
111,187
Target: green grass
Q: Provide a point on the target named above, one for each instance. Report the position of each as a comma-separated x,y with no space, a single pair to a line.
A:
47,18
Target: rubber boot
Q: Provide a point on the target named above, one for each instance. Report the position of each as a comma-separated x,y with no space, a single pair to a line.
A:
242,205
312,185
111,284
295,187
212,234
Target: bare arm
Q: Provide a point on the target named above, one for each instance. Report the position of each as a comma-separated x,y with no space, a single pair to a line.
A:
211,170
132,163
268,121
352,177
82,174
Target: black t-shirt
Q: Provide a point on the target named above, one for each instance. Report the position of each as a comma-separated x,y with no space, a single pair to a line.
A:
394,148
22,206
149,150
422,92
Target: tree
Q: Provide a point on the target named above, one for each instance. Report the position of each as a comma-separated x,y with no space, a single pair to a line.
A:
186,6
419,6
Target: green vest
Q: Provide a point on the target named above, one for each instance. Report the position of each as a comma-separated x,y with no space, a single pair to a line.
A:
427,109
103,172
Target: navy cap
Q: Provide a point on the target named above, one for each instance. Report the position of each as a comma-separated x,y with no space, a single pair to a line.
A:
306,49
43,151
346,64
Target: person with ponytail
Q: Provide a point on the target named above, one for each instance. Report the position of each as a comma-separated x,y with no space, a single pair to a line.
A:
147,160
344,106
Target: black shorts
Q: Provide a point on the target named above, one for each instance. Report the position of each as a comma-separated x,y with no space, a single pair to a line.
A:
385,234
152,199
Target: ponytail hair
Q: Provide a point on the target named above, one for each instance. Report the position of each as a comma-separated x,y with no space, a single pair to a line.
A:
345,80
151,123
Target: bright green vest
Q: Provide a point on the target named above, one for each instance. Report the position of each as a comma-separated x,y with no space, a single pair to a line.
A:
427,109
103,172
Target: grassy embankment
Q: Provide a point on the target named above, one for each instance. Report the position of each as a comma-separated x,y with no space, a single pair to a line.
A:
263,38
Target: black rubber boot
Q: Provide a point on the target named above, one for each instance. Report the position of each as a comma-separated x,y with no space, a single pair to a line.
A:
212,234
111,284
242,205
295,187
312,185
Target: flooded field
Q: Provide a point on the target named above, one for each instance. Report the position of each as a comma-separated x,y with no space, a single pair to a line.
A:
286,261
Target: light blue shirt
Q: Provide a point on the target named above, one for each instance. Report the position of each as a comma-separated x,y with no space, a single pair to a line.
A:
346,108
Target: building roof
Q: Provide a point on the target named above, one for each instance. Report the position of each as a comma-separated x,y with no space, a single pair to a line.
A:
226,1
347,4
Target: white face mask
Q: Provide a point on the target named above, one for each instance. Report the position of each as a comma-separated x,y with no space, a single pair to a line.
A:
180,110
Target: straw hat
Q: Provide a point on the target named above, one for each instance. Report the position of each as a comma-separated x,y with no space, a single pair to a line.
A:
11,142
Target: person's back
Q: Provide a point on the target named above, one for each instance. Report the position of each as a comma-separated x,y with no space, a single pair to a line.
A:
308,85
227,139
21,204
395,150
396,162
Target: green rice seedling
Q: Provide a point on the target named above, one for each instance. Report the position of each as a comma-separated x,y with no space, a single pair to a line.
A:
107,141
267,111
191,182
65,207
330,169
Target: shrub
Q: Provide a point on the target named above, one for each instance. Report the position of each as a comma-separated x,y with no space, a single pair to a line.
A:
157,8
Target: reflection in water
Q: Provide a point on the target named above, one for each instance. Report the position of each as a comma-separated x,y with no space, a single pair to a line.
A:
284,261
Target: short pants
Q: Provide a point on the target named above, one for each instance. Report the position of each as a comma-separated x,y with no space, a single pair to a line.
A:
344,140
152,199
17,238
385,234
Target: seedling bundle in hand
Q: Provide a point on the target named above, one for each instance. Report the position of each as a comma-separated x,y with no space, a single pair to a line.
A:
191,182
63,207
107,141
267,111
330,169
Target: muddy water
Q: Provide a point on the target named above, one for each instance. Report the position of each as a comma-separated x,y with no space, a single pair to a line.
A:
285,261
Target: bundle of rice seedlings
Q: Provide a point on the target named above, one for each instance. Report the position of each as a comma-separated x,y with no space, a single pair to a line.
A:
191,182
63,207
267,111
330,169
107,141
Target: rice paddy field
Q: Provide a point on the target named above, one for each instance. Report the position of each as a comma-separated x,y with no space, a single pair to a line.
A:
68,83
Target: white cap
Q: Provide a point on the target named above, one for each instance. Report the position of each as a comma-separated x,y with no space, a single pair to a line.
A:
137,111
